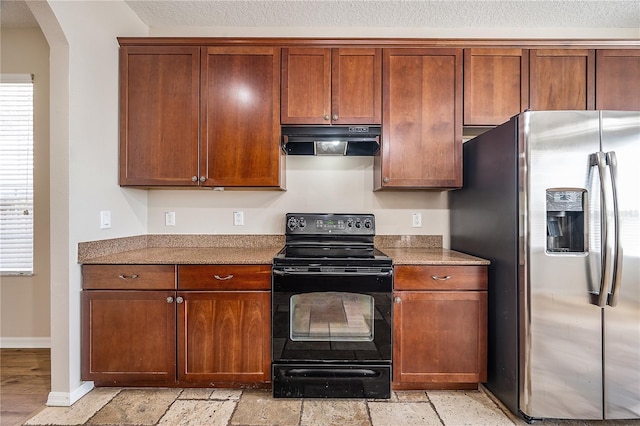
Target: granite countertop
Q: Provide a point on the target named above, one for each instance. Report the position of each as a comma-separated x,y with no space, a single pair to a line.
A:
182,249
430,256
252,249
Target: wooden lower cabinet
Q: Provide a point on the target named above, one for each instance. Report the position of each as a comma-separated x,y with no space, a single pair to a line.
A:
215,330
128,336
440,333
224,337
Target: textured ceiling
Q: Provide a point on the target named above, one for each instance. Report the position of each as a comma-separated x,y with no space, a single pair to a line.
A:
369,13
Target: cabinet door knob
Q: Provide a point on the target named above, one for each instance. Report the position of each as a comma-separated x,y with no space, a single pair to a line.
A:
397,300
194,178
128,277
386,180
169,299
179,299
202,178
335,117
219,278
438,278
326,117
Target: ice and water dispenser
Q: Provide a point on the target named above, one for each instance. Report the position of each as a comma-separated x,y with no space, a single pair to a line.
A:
566,220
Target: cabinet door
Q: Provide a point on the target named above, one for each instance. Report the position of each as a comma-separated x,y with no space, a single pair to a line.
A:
356,86
128,337
306,86
562,79
224,337
618,79
159,101
440,337
422,119
331,86
240,137
496,85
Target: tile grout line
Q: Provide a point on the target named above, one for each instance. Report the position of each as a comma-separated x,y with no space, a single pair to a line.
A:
434,408
366,404
101,407
169,407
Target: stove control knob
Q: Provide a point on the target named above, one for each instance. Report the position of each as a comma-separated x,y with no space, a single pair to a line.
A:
292,223
368,224
358,224
302,223
350,223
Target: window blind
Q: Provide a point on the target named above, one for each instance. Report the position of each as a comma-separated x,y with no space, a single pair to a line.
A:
16,174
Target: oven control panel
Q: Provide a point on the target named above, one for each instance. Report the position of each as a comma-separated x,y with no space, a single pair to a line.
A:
330,223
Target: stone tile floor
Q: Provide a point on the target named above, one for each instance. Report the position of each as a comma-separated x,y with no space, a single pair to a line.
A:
225,407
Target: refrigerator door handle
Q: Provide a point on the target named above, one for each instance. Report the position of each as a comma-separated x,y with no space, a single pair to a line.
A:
599,159
617,246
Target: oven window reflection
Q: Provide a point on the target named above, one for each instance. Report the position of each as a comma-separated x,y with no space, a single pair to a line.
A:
332,316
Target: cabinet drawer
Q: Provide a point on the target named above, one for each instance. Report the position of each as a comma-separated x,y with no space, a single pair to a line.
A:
224,277
440,277
129,277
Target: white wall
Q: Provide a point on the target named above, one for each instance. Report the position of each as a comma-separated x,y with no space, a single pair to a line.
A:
84,157
24,300
314,184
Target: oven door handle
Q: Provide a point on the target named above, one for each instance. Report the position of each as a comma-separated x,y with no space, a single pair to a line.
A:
282,273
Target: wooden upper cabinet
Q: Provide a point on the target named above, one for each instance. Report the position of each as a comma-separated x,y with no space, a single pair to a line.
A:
562,79
240,133
159,101
356,86
331,86
422,119
496,85
618,79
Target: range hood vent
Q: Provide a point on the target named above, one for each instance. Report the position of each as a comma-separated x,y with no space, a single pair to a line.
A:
331,140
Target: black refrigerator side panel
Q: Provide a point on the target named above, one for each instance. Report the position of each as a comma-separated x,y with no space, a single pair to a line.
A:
484,223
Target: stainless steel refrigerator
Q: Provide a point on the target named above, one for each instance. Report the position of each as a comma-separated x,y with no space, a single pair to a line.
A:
552,199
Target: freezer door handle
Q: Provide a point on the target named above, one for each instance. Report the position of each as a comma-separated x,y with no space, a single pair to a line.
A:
599,159
617,246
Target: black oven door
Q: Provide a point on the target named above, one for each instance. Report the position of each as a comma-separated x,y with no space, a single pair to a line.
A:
332,332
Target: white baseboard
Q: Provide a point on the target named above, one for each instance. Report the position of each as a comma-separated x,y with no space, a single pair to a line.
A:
25,342
66,399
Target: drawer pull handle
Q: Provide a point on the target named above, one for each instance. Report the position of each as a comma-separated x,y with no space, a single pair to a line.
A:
128,277
437,278
169,299
219,278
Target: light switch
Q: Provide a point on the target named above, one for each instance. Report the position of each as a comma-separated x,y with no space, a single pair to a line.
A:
105,219
238,218
417,220
169,218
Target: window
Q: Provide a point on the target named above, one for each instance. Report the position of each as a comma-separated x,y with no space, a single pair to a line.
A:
16,174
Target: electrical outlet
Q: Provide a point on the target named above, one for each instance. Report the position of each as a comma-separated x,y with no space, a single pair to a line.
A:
417,220
238,218
105,219
169,218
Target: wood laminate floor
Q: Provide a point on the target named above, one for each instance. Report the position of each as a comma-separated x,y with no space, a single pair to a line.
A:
25,382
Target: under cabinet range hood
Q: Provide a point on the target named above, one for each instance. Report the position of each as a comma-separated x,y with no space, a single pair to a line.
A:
331,140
